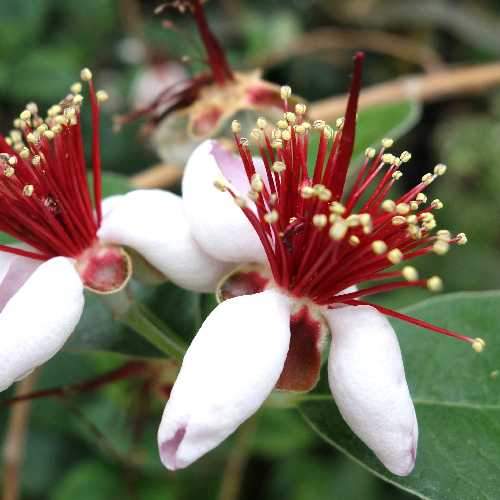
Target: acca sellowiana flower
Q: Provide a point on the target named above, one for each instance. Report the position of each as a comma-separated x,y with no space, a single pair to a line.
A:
69,240
195,108
304,242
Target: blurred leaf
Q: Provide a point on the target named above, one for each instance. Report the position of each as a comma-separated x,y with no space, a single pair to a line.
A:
457,399
374,123
98,331
384,120
90,480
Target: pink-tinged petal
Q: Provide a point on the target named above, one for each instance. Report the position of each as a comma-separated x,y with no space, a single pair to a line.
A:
217,223
367,380
38,319
153,223
245,280
228,371
14,271
303,362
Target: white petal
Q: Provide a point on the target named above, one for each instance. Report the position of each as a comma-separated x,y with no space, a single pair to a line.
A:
217,222
228,371
153,223
367,380
36,322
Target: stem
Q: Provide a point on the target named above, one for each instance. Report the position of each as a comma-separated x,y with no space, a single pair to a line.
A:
144,322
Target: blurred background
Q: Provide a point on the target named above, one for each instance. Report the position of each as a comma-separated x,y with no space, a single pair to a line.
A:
102,446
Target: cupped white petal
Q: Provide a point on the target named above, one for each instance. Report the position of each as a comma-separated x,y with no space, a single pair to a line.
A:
153,223
218,224
367,380
38,319
230,368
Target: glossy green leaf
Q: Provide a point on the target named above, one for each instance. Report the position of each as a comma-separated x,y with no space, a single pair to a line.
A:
457,398
376,122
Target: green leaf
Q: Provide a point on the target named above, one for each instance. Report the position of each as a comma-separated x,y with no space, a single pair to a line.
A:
376,122
457,398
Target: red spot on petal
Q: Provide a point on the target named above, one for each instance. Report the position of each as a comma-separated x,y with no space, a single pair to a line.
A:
242,283
303,362
261,95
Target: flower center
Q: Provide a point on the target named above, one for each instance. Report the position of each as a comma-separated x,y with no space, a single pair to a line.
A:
324,233
44,197
104,269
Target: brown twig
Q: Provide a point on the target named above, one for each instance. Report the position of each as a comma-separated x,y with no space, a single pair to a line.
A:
328,39
440,84
127,370
161,175
13,450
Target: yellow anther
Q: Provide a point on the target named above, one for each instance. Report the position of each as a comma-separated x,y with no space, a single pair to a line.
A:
35,160
412,219
276,133
388,158
240,201
31,137
285,91
398,220
388,206
397,175
328,132
282,124
440,169
370,152
437,204
430,225
306,125
25,115
278,167
28,190
24,153
271,217
386,142
261,122
307,192
413,205
290,117
76,88
256,183
86,74
395,256
221,184
12,160
338,230
254,196
244,142
353,220
339,123
319,124
286,135
49,134
300,129
403,208
300,108
102,95
365,219
277,143
427,216
337,208
409,273
461,239
324,194
478,344
235,127
435,284
440,247
256,134
320,220
379,247
421,197
405,156
443,234
354,240
427,178
9,171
